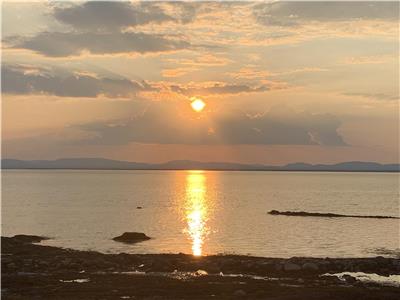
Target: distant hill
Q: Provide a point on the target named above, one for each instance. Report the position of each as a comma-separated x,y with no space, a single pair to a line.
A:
108,164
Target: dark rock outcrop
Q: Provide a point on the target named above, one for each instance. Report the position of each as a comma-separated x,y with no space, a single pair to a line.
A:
24,238
131,237
326,215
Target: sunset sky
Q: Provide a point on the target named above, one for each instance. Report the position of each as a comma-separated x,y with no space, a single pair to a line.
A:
315,82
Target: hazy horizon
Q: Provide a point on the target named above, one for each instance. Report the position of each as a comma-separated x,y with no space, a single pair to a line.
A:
189,160
268,83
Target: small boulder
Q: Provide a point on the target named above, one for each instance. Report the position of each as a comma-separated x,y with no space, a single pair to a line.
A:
309,266
131,237
349,279
11,266
291,267
278,267
239,293
200,273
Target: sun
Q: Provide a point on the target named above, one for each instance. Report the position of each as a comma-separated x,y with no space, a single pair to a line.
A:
197,104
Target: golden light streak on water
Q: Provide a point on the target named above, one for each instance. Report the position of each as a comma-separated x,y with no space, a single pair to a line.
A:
196,210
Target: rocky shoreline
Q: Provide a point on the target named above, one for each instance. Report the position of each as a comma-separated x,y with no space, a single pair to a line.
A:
31,271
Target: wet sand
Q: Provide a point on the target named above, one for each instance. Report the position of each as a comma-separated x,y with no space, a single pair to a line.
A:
31,271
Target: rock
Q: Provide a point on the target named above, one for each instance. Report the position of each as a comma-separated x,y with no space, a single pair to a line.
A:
43,264
239,293
139,207
11,266
278,267
291,267
212,269
24,238
310,266
131,237
200,273
249,264
349,279
66,262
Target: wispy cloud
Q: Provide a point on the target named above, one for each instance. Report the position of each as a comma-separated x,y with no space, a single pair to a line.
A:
293,13
216,88
376,96
177,72
177,67
374,59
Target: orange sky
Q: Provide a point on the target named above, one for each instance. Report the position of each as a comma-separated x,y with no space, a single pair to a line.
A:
281,82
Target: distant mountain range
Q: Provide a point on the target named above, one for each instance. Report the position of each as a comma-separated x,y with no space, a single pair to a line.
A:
108,164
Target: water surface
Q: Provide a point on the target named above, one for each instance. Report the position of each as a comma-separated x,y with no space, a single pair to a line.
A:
204,212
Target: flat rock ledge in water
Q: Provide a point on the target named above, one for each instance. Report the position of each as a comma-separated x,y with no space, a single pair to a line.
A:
326,215
25,238
131,237
31,271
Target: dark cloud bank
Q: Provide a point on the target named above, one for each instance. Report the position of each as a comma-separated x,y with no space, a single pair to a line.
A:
99,28
58,44
22,79
110,16
29,80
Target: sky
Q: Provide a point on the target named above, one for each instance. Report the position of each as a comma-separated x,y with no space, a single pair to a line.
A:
282,82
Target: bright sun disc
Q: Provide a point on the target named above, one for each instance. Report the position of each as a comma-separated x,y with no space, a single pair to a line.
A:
198,105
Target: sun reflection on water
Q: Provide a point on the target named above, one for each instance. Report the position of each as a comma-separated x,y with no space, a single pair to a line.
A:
196,210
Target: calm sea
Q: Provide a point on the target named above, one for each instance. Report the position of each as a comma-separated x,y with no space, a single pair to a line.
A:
204,212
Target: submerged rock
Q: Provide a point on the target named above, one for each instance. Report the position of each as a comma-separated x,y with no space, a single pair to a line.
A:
131,237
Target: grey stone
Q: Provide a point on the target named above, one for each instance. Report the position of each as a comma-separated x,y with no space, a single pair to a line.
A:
239,293
310,266
131,237
291,267
349,279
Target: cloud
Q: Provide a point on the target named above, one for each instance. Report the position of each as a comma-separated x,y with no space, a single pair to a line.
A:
376,96
374,59
249,73
110,16
186,12
177,72
217,89
164,123
106,27
58,44
296,12
31,80
177,67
